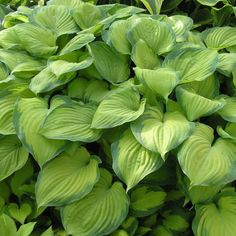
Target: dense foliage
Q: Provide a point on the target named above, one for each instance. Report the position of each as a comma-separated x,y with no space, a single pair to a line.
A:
117,120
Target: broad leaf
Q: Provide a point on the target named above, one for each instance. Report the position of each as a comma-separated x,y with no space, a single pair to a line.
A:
57,73
220,37
77,43
207,163
131,161
196,106
228,111
67,178
12,155
112,65
153,6
28,117
186,61
227,61
7,225
34,39
87,15
181,26
158,35
216,218
120,106
143,56
208,2
229,132
117,36
58,19
100,212
145,200
26,229
161,132
71,4
161,81
72,122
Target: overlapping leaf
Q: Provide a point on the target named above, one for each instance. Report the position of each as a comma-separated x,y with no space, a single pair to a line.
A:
67,178
131,161
161,132
100,212
28,117
119,107
205,162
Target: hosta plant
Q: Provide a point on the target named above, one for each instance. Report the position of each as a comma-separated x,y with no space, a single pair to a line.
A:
118,120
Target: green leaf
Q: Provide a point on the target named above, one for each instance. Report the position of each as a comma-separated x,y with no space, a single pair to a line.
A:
58,19
12,59
77,43
57,73
120,106
87,15
26,229
208,88
186,61
216,218
219,37
207,163
158,35
227,61
196,106
161,132
20,177
19,213
176,223
100,212
229,132
48,232
67,3
228,111
153,6
145,200
8,99
37,41
112,65
161,81
131,161
12,155
162,231
28,117
72,122
181,26
143,56
208,2
67,178
7,225
117,36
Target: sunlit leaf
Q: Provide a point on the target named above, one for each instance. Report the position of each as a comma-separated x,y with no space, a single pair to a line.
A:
131,161
209,217
207,163
118,107
161,132
158,35
28,117
100,212
112,65
67,178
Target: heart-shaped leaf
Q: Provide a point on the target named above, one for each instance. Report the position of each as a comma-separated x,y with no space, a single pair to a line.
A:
205,162
67,178
131,161
161,132
100,212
